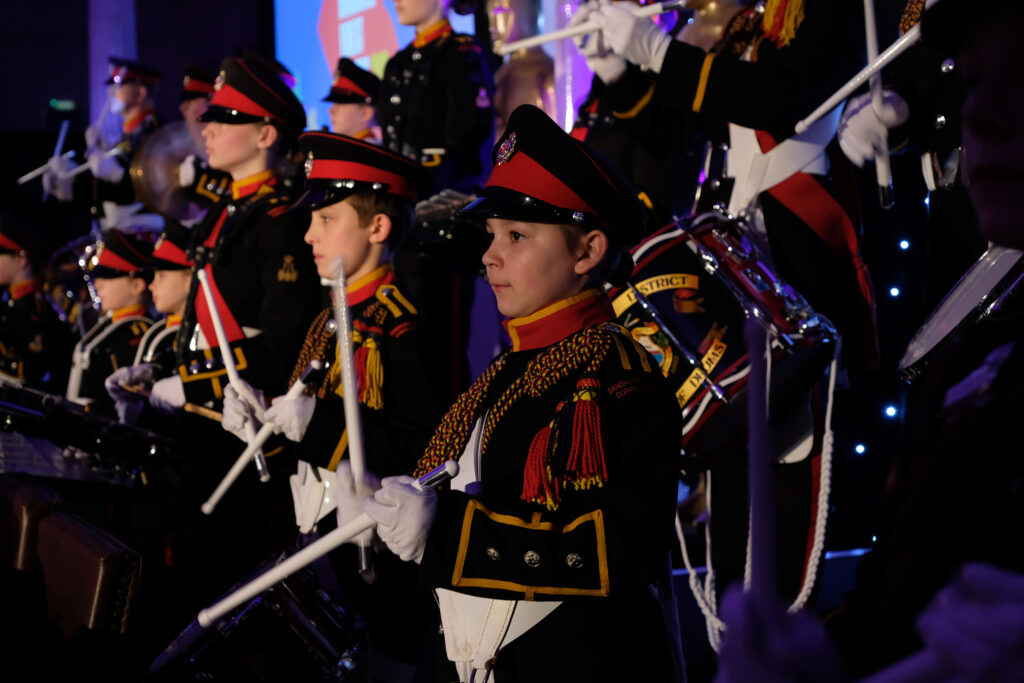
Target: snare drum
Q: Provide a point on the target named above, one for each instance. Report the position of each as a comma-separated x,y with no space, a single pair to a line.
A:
293,631
692,288
980,292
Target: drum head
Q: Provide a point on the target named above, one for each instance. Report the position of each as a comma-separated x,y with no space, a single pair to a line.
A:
971,299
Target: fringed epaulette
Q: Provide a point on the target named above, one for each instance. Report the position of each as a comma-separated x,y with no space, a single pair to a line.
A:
569,451
781,20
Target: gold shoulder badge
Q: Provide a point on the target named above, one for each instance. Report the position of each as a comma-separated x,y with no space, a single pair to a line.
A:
308,166
507,149
219,83
287,272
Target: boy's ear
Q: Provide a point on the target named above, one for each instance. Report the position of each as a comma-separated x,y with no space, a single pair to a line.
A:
368,113
139,286
143,93
268,136
591,250
380,228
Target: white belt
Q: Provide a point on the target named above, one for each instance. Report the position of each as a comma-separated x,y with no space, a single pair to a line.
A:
755,171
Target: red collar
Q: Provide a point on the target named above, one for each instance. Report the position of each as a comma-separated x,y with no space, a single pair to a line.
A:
23,288
173,320
127,311
134,122
362,289
246,186
432,33
559,320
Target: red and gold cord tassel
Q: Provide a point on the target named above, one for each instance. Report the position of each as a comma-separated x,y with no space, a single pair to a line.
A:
586,466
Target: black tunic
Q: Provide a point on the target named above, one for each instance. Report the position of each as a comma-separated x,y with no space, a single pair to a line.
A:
439,96
266,276
34,343
399,411
113,341
602,546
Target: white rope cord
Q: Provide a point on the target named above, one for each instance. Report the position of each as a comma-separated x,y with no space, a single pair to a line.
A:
706,598
824,489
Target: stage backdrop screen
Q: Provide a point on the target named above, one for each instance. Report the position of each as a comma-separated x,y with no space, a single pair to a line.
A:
310,36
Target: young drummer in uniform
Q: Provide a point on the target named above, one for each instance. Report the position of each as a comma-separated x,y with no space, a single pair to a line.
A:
249,245
119,273
544,552
362,205
155,356
436,99
34,341
353,98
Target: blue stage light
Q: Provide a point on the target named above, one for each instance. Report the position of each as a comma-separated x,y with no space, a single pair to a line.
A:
860,449
904,244
894,292
890,411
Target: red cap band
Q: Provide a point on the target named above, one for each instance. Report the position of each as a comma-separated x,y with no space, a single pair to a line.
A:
523,174
169,251
7,243
196,85
229,98
111,260
349,86
350,170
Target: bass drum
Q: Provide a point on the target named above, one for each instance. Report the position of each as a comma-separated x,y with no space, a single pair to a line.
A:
693,286
293,631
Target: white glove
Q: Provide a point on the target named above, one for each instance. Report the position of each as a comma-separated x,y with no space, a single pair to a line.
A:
104,167
605,64
349,495
141,374
92,136
187,171
639,40
403,514
55,180
290,415
239,409
168,395
863,129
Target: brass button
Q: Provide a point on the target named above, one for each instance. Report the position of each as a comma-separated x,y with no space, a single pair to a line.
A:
531,558
493,554
574,560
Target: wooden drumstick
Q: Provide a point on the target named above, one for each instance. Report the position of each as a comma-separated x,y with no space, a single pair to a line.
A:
312,552
229,365
202,411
